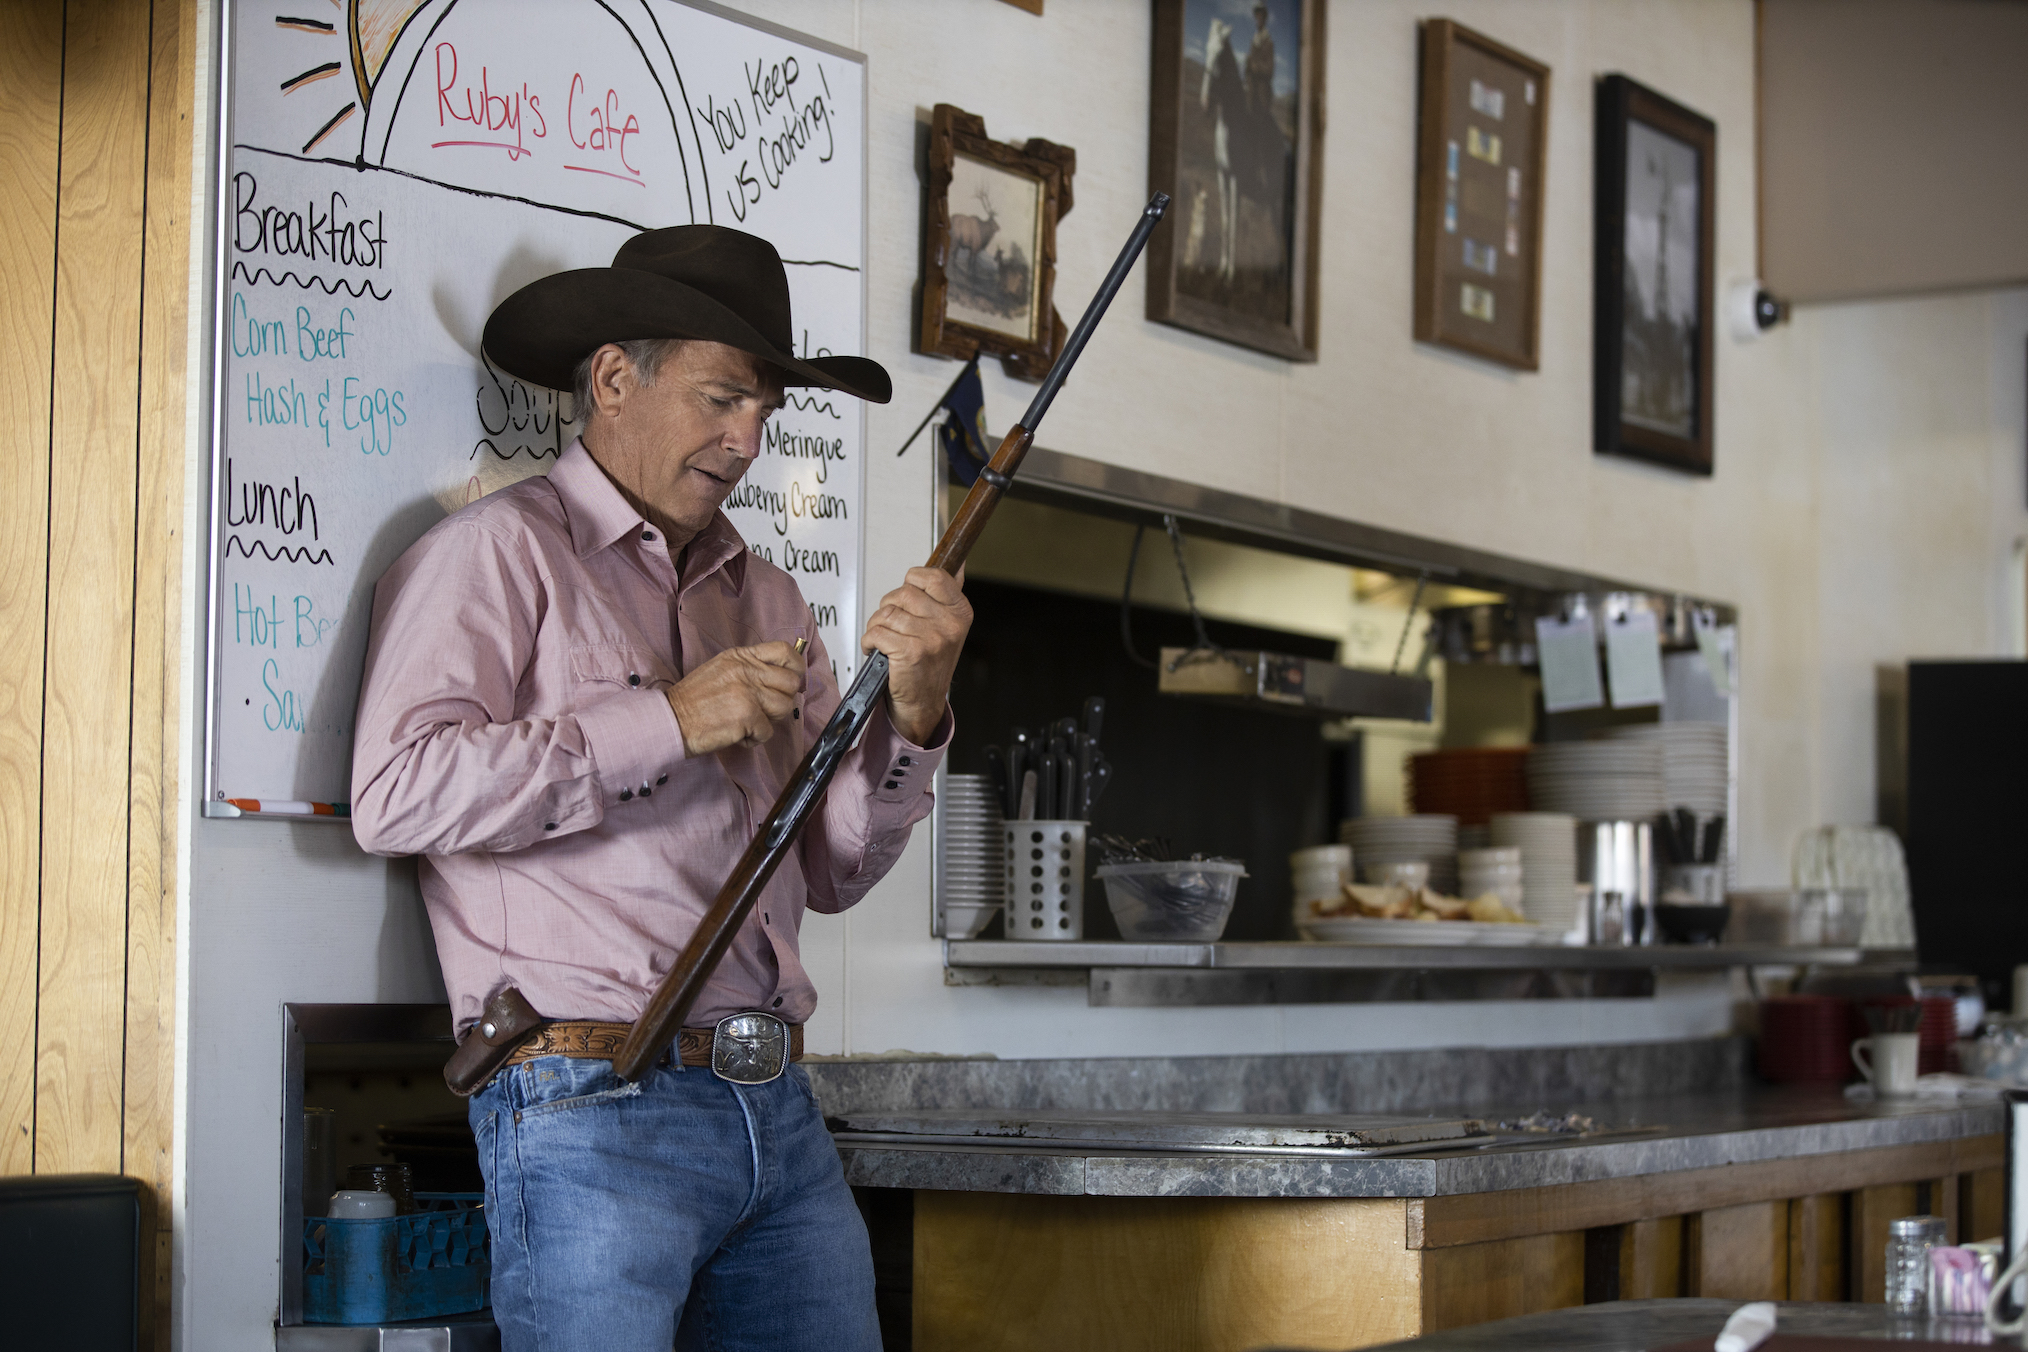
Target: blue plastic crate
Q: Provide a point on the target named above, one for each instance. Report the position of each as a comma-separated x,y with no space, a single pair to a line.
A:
403,1267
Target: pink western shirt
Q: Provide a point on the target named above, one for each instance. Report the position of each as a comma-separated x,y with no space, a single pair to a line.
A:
513,730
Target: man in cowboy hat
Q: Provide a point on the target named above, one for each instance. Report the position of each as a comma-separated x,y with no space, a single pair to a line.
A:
581,693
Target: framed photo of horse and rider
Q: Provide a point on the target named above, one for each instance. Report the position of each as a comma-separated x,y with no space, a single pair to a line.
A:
1235,136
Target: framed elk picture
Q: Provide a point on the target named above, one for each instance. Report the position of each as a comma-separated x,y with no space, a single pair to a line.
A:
1235,137
989,248
1657,173
1478,196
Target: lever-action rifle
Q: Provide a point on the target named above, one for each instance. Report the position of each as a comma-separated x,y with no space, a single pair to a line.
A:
674,998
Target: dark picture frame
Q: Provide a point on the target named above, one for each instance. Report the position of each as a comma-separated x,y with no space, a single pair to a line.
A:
1482,149
988,283
1236,258
1657,176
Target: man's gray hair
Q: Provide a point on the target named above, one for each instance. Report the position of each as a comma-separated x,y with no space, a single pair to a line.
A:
645,355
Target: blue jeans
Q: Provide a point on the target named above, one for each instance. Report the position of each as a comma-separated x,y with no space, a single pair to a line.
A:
680,1210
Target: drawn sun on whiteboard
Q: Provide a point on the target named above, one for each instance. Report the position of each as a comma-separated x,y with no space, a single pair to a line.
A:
369,27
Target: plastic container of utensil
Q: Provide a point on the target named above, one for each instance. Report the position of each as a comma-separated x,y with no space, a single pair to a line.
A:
1182,900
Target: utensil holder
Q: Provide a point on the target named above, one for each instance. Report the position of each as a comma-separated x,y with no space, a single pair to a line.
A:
1701,884
1045,880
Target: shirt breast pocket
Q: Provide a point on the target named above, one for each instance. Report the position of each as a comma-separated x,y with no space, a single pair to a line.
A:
598,668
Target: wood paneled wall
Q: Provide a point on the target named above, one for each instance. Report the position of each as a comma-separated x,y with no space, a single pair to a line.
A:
96,105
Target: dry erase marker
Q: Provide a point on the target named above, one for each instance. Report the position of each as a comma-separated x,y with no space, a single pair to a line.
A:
286,808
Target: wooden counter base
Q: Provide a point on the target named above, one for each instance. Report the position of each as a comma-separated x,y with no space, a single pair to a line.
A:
1215,1274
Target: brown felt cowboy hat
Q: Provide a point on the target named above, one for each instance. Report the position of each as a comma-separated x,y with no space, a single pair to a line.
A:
687,281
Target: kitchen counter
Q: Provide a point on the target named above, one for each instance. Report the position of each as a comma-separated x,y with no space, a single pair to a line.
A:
978,1151
1158,1203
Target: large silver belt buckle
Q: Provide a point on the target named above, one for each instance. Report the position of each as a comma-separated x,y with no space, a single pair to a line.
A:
749,1048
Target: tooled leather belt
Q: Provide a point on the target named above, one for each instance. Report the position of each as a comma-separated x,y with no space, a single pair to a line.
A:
592,1040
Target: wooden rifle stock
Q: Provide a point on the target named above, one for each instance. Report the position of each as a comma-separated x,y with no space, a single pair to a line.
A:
677,995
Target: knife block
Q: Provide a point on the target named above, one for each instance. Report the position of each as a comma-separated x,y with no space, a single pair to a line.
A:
1045,880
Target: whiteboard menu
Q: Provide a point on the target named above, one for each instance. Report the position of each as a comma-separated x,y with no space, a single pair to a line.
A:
392,169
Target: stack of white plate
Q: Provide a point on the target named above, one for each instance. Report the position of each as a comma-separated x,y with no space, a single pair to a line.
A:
1693,762
974,855
1548,845
1614,781
1319,874
1429,837
1496,869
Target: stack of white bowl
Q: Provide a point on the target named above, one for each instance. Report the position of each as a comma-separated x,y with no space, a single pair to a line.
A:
1496,869
1693,762
1318,874
975,856
1431,837
1548,845
1612,781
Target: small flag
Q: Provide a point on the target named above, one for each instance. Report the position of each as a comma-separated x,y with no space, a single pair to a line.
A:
963,433
965,399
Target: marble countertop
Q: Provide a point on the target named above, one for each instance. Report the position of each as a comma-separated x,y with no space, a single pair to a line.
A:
978,1150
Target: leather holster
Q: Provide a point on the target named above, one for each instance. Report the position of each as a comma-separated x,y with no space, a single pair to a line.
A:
508,1019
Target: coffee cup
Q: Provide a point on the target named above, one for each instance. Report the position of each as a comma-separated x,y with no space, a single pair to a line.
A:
1889,1063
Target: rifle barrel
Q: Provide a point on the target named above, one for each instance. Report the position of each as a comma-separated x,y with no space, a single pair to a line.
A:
1151,217
677,995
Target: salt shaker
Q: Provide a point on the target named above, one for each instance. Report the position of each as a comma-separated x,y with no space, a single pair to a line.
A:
1909,1240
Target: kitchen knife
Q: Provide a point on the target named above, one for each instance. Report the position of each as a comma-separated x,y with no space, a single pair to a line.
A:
1088,753
1045,792
1101,775
996,777
1086,749
1714,837
1020,760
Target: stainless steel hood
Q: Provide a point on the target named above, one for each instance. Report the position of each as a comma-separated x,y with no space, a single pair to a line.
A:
1281,683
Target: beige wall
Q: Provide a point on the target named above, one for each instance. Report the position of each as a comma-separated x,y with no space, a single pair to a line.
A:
1921,484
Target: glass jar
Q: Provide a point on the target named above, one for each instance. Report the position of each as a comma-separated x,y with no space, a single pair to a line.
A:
1909,1240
